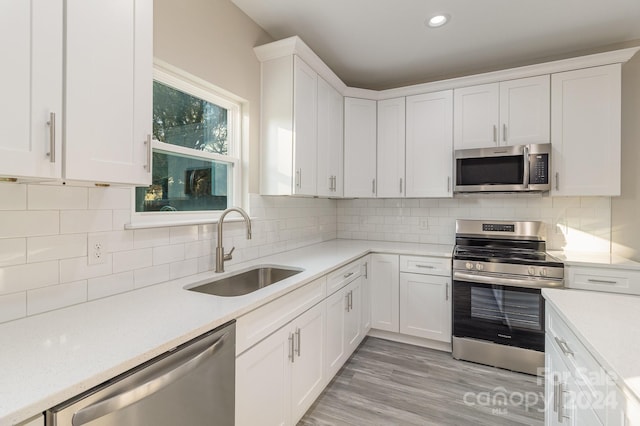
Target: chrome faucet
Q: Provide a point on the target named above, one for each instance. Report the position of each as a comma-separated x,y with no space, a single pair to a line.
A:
220,255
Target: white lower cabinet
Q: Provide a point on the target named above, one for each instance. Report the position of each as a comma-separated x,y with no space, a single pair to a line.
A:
278,379
425,306
385,283
578,391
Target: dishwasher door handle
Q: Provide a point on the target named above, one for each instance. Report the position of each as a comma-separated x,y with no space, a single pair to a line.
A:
140,392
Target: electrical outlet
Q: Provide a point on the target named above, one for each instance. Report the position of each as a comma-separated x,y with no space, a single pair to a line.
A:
96,250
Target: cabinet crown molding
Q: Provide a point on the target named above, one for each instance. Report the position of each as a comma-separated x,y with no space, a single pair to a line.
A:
296,46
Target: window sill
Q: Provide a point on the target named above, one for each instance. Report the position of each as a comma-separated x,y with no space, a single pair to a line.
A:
182,222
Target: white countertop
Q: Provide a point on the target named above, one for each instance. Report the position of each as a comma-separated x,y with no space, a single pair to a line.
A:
595,260
606,323
49,358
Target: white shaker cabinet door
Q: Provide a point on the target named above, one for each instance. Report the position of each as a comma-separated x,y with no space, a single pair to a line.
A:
385,285
305,92
31,87
525,111
476,110
359,147
390,148
425,306
429,150
109,54
330,140
585,131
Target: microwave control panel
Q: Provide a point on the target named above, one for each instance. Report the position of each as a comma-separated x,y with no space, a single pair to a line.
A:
538,169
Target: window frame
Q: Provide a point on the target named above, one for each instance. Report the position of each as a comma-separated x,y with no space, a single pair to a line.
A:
187,83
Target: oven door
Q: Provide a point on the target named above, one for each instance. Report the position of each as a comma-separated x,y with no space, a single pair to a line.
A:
506,315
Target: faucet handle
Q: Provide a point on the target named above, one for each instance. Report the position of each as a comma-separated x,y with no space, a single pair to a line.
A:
228,256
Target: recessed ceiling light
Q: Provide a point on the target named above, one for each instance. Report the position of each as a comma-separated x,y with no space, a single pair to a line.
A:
437,20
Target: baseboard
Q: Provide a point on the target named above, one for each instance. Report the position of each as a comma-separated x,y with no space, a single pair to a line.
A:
410,340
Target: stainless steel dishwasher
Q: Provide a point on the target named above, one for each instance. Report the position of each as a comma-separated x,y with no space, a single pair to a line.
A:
193,384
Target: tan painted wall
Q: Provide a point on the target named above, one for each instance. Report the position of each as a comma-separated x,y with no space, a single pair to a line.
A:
214,40
625,210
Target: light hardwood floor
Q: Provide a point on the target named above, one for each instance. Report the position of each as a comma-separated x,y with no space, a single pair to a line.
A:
389,383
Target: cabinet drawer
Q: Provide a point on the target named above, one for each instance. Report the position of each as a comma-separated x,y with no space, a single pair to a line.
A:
591,379
604,279
341,277
261,322
426,265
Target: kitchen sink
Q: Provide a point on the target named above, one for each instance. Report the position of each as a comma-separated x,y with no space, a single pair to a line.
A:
245,282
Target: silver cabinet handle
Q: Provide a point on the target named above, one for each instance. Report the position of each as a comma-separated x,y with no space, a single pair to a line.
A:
425,266
52,137
564,346
448,183
366,270
130,397
373,186
560,403
330,183
601,281
347,302
401,185
147,142
347,275
335,185
291,348
557,181
298,337
350,300
495,133
446,292
504,132
556,396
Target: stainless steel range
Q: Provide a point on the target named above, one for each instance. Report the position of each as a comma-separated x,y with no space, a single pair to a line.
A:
499,269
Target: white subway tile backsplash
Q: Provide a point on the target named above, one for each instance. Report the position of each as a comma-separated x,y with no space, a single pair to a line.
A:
152,237
153,275
77,269
110,198
183,269
13,196
73,222
183,234
168,254
56,297
13,251
116,240
109,285
56,247
29,223
121,218
13,306
132,259
52,197
28,276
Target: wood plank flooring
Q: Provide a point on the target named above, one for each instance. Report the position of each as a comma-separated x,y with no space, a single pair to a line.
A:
389,383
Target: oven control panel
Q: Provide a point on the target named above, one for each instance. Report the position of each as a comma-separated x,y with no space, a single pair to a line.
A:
498,227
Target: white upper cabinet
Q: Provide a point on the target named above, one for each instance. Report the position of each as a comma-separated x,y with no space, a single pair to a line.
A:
31,87
429,145
512,112
524,111
390,148
359,147
330,140
476,116
305,95
109,64
585,132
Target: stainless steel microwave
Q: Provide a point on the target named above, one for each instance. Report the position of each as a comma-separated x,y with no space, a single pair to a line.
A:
516,168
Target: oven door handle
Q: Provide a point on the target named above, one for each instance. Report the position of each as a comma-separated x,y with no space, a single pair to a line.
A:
514,282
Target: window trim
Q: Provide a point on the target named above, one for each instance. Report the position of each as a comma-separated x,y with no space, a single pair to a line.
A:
190,84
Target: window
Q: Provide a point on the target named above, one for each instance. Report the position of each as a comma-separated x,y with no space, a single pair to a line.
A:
196,151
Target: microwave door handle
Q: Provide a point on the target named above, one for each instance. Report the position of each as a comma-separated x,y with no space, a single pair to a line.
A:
525,156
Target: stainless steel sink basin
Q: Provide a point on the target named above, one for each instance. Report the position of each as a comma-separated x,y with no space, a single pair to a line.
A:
245,282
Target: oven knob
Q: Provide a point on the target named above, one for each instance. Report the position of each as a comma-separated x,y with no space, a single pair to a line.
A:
532,270
479,266
543,272
469,265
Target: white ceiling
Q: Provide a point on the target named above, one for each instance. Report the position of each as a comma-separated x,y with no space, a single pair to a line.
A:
380,44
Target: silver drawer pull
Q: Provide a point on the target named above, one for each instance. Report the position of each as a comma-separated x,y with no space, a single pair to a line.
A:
564,346
347,275
425,266
601,281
